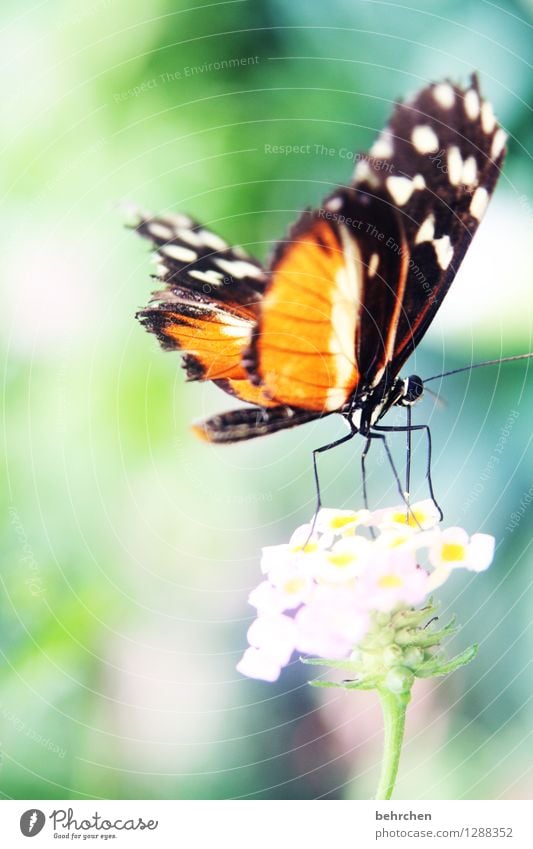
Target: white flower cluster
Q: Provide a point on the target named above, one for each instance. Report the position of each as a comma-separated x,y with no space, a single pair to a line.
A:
321,589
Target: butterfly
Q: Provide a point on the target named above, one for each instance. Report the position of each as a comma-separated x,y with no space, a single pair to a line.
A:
326,326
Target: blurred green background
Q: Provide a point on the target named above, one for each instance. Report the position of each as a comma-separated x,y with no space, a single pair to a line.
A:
128,547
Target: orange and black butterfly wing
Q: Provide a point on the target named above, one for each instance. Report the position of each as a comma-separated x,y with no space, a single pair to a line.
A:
194,257
437,162
323,322
207,310
250,422
357,283
327,318
208,306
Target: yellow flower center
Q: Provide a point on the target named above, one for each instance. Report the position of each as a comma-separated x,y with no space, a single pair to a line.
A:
389,582
341,521
293,585
341,559
308,548
451,551
397,541
413,519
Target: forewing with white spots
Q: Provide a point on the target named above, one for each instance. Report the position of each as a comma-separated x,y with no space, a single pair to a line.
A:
190,255
437,161
208,306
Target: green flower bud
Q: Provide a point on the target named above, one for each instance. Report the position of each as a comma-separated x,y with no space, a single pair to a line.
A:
405,636
399,680
413,657
392,656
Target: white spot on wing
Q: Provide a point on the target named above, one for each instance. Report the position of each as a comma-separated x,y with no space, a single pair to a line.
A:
363,172
401,188
488,120
443,251
469,173
444,95
471,103
479,203
442,247
498,143
160,231
455,165
189,236
209,276
179,252
212,240
426,231
424,139
238,268
334,203
373,264
382,147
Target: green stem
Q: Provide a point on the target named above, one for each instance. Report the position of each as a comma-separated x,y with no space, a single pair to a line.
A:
393,707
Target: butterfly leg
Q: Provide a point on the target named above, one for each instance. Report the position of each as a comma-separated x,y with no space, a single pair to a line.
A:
408,454
428,471
366,449
408,430
321,450
372,435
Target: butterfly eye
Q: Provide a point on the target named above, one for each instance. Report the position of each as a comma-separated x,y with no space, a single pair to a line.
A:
414,389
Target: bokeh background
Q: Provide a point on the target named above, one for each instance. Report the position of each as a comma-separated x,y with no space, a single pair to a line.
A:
128,547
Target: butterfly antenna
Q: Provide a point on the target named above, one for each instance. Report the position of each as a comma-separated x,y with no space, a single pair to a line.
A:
479,365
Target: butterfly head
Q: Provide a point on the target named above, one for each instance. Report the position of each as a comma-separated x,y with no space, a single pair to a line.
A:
412,391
